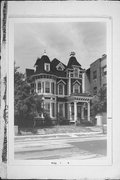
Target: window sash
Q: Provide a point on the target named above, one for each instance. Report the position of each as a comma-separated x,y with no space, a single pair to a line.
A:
76,88
52,88
76,72
61,89
39,86
47,87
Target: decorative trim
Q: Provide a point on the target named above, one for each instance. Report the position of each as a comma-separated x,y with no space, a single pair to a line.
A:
60,65
76,82
61,81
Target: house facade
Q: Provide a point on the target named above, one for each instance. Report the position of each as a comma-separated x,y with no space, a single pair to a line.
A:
62,88
96,75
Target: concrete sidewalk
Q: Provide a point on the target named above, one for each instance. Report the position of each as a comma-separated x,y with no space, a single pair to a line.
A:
99,132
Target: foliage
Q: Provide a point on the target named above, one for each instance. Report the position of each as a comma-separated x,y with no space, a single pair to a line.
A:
99,103
47,119
62,120
27,105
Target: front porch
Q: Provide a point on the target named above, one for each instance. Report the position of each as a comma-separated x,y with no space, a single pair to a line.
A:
79,108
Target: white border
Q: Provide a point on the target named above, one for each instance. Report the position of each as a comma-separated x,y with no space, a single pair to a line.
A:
12,21
73,9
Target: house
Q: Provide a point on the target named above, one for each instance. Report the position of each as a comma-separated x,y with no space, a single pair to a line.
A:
62,87
96,75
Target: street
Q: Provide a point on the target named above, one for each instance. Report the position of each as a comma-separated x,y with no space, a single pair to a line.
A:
67,146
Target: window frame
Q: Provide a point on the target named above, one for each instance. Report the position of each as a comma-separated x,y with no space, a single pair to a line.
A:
45,67
94,74
77,72
59,89
78,88
47,87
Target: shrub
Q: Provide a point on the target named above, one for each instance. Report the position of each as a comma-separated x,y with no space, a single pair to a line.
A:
62,120
87,123
47,120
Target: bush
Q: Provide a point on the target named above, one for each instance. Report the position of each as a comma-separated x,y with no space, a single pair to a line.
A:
62,120
47,120
87,123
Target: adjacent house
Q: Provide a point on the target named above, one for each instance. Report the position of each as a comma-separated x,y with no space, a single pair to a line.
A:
62,88
96,75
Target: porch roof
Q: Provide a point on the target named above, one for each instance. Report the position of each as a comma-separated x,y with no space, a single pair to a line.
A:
80,97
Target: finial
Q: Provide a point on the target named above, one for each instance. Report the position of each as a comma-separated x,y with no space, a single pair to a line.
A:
72,53
44,52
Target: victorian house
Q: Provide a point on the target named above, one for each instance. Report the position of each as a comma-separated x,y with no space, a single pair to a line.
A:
62,87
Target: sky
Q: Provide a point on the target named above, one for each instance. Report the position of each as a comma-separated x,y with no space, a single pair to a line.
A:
59,39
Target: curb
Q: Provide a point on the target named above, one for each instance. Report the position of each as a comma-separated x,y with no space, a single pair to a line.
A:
59,134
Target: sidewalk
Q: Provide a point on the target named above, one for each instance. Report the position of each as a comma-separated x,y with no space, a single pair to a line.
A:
94,131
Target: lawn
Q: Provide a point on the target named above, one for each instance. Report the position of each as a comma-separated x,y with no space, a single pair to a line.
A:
59,129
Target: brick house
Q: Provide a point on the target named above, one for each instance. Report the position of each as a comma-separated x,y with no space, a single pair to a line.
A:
62,87
96,75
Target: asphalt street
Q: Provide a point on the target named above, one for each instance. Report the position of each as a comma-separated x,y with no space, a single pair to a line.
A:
75,147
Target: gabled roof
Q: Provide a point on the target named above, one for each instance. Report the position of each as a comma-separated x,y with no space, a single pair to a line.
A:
54,64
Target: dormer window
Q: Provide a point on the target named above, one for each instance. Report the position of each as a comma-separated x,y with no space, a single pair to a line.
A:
76,72
60,67
47,67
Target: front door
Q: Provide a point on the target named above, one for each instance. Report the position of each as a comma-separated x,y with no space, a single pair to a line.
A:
78,112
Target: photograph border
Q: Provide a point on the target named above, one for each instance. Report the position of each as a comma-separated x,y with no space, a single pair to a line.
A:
12,21
66,171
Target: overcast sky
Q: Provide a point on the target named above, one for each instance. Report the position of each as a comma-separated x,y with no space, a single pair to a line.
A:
86,39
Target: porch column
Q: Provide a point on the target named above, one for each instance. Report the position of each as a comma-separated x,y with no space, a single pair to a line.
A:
50,109
83,82
75,111
69,86
89,111
69,109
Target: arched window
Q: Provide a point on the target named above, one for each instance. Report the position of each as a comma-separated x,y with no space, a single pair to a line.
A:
76,88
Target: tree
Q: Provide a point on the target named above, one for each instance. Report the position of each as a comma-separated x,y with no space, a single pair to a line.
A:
99,103
27,105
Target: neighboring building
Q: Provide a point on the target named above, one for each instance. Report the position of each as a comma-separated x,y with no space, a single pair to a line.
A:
62,87
104,71
96,75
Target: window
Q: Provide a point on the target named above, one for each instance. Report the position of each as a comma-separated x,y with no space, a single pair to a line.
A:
32,87
61,109
104,70
60,67
94,74
39,87
53,109
43,87
47,67
47,108
52,88
61,89
76,72
76,88
95,90
47,87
